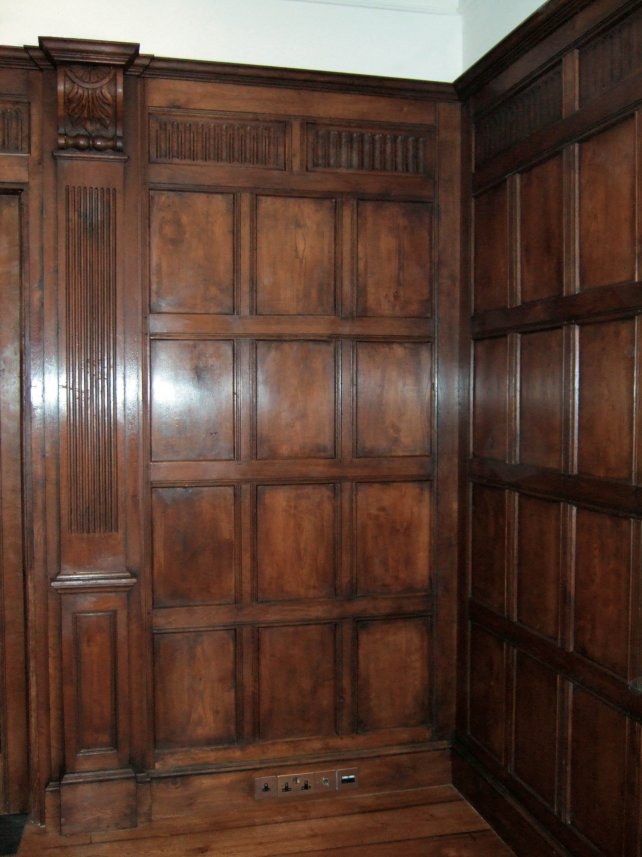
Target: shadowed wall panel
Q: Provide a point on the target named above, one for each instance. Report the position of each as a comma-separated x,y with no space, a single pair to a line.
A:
489,547
539,569
541,211
541,398
487,678
490,396
491,249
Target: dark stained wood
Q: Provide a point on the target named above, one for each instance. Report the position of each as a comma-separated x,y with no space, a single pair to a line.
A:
189,274
394,259
539,565
487,682
541,399
489,547
491,249
490,398
541,210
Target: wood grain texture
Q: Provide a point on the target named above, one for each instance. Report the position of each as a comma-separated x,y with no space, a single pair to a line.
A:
541,212
539,565
542,398
490,398
491,261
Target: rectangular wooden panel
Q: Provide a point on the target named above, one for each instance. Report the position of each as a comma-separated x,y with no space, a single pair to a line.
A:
539,565
606,387
194,537
535,731
489,535
597,772
393,399
295,256
297,681
296,541
394,247
387,649
192,252
192,400
542,398
490,398
602,589
541,221
195,689
491,263
95,653
295,399
393,538
608,206
487,689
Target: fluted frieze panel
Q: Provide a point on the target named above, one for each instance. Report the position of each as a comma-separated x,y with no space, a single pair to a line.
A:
14,127
90,214
216,140
611,57
369,150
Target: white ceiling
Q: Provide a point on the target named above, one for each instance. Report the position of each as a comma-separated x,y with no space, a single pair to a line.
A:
430,7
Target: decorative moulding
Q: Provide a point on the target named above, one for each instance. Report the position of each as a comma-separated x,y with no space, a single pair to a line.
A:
90,91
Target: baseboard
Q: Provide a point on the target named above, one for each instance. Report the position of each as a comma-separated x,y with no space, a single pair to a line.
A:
517,827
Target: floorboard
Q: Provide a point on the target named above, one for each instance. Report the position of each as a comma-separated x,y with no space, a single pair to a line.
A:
444,827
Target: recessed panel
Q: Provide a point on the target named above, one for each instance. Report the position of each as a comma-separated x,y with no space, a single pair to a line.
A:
297,682
541,398
597,772
195,689
192,252
296,542
539,564
608,182
491,249
193,540
602,589
192,400
606,390
393,679
490,399
488,553
394,259
393,399
535,749
393,537
295,256
295,399
487,682
541,219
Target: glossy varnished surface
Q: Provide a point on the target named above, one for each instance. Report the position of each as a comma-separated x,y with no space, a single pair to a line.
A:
424,823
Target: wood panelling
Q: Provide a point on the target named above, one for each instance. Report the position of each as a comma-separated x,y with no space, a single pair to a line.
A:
395,259
189,274
195,545
393,399
598,772
606,386
296,541
386,649
14,127
603,589
541,213
607,188
539,565
297,681
379,149
541,399
192,400
491,260
195,688
549,719
295,256
296,399
393,537
490,397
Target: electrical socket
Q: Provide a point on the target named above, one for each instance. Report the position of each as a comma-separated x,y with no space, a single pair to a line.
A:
265,787
291,784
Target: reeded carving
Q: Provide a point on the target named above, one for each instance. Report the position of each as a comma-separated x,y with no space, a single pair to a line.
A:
611,57
90,214
369,150
199,139
516,118
14,127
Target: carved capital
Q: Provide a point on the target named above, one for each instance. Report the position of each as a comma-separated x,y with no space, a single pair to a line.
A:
90,92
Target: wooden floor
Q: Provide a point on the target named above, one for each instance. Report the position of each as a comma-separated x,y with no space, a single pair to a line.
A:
434,822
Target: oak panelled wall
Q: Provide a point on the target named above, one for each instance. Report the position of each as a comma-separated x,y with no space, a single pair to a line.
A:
242,351
550,633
